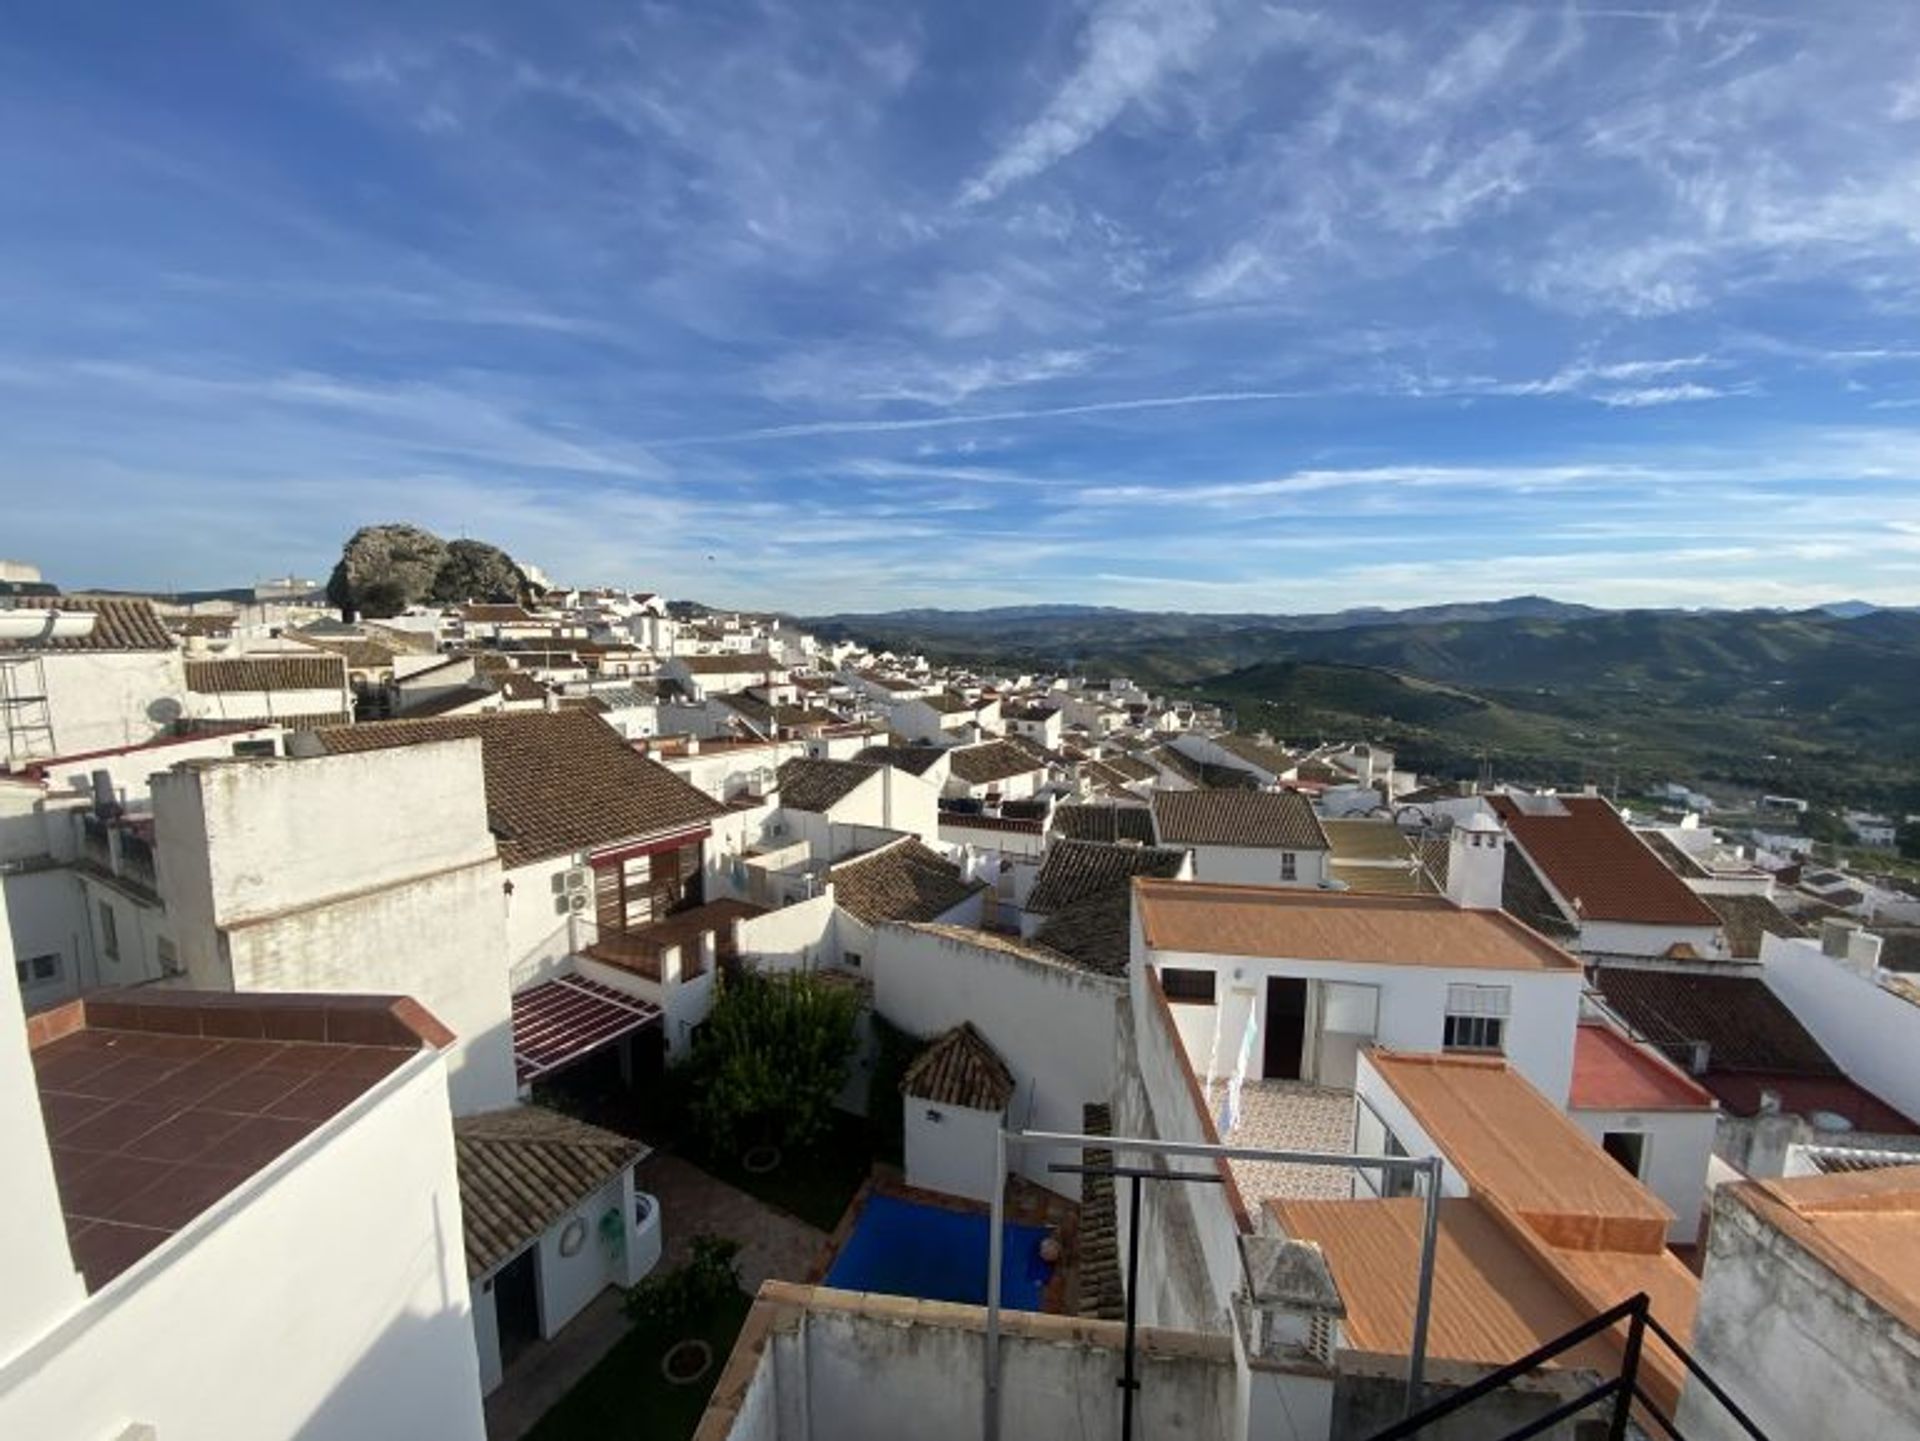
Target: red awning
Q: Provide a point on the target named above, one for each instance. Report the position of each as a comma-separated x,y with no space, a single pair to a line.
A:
559,1021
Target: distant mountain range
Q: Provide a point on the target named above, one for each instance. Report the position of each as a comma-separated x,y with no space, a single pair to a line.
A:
1823,701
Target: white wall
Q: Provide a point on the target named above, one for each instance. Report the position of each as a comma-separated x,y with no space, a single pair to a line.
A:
951,1148
796,937
1623,938
1873,1034
1801,1351
1052,1024
1255,866
46,912
568,1283
1412,1013
328,1295
42,1284
1674,1164
307,876
100,699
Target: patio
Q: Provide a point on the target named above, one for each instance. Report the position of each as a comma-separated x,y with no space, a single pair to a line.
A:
1289,1116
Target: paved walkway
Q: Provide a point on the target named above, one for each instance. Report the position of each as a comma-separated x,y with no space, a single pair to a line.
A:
773,1245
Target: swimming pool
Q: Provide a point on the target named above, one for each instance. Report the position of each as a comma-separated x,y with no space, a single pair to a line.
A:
904,1248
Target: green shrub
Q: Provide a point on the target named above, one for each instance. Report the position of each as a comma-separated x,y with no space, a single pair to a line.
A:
673,1301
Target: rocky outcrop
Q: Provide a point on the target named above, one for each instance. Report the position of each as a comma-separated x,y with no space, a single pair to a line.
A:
385,568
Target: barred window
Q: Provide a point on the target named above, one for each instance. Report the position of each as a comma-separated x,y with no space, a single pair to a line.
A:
1476,1018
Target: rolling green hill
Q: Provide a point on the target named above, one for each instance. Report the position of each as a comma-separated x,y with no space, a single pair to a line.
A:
1820,704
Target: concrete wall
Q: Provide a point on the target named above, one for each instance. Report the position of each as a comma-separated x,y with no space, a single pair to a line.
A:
329,1293
1545,1008
1052,1024
951,1148
855,1368
798,937
46,912
1255,866
101,699
1872,1033
276,879
539,939
42,1285
1674,1163
1622,938
1804,1353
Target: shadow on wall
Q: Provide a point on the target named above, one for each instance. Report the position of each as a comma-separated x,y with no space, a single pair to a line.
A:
419,1377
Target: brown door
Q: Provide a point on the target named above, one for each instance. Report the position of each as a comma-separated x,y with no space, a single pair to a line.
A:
1286,1028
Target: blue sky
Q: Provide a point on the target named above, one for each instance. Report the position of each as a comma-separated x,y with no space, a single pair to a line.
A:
1180,304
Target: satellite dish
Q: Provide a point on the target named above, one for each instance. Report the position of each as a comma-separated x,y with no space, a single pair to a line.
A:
165,711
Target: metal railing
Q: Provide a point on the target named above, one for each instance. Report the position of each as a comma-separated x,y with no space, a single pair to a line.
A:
1623,1390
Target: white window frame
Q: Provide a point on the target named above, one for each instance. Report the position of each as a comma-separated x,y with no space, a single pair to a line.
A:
1483,1013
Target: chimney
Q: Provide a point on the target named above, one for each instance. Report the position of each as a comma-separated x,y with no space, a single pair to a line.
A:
1836,937
1863,952
1477,862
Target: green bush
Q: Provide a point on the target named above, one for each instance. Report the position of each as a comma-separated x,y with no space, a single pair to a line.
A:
673,1301
771,1060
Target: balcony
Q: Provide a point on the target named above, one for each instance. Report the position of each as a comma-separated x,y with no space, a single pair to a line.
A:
680,948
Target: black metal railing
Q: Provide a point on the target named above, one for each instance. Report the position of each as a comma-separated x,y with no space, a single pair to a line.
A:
1622,1390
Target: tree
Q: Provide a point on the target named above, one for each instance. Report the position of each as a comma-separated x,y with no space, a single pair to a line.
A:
771,1058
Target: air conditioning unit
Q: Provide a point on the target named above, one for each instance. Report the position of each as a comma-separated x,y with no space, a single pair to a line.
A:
776,829
578,902
578,880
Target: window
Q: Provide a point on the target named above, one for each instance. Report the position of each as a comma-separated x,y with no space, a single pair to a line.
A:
168,957
1289,866
1476,1018
109,932
256,749
1629,1148
37,970
1187,987
852,958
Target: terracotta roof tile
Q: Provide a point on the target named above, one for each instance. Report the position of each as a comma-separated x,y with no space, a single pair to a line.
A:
262,673
119,624
1282,820
819,785
960,1069
907,881
1104,823
1744,919
522,1169
1744,1025
1597,863
557,782
915,760
995,761
1074,870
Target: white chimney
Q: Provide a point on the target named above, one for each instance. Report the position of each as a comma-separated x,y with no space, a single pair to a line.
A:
1477,862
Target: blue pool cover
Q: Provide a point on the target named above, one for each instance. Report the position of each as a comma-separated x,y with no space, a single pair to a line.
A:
903,1248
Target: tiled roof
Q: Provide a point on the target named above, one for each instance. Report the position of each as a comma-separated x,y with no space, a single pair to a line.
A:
1208,919
495,614
1372,880
1671,856
819,785
358,654
960,1069
1104,823
449,702
258,673
1746,918
1745,1025
557,782
995,761
1203,773
1597,864
159,1102
118,625
518,685
1358,840
1281,820
1095,932
522,1169
915,760
1269,757
947,702
1074,870
907,881
730,664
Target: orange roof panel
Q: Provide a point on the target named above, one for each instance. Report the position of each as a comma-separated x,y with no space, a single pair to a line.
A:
1517,1147
1305,925
1611,1073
